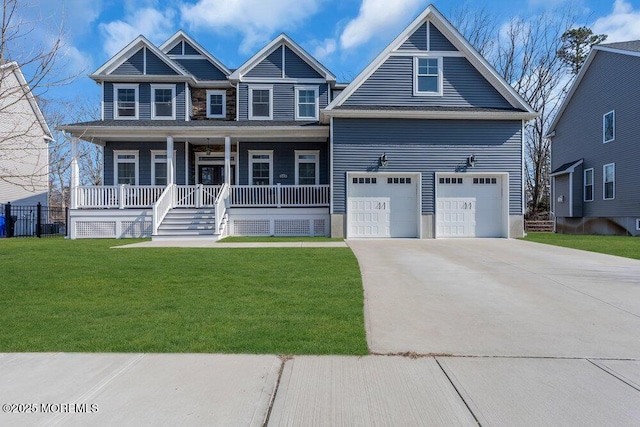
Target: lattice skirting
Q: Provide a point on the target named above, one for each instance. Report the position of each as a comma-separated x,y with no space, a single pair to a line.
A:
110,224
279,227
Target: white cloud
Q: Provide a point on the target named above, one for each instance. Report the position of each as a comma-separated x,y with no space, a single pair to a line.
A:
377,18
621,24
155,25
322,49
256,20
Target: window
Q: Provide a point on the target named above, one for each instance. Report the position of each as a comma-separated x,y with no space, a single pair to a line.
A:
485,180
609,127
451,180
216,104
260,102
125,98
401,180
427,76
307,167
163,104
306,103
125,167
362,180
609,181
159,166
261,167
588,185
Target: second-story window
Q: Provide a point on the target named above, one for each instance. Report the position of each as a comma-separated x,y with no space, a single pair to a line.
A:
306,103
216,104
609,127
126,101
260,103
427,76
163,105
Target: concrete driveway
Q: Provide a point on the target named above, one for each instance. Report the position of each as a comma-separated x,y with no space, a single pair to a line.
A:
498,297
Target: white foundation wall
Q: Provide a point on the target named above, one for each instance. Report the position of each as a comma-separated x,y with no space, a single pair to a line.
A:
110,223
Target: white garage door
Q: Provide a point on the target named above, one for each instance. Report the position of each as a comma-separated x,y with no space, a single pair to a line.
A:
470,206
382,205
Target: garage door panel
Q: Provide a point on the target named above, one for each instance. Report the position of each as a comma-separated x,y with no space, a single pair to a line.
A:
369,217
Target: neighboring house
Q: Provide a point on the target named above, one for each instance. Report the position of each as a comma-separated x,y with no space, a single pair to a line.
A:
594,150
24,136
426,142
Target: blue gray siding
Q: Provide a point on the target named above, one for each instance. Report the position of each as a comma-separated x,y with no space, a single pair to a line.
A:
438,42
156,66
427,146
176,50
144,100
297,68
612,82
284,160
144,159
270,67
190,50
283,100
134,66
108,101
392,85
202,69
417,40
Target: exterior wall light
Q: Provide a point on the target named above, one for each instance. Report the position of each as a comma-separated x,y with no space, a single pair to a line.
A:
471,160
383,161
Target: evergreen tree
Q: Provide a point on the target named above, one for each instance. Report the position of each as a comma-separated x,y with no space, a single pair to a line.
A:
576,45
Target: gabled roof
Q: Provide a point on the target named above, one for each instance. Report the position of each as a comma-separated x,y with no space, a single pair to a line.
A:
15,69
130,49
180,36
434,16
567,168
287,41
631,48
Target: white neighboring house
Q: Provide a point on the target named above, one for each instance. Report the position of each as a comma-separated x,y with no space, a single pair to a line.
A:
24,137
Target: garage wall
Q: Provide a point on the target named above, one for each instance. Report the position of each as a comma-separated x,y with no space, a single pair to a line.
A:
427,146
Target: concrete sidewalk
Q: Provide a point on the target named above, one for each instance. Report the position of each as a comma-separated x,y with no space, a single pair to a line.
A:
70,389
205,243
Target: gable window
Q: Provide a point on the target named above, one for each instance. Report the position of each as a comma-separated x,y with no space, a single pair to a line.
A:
159,166
427,76
260,167
609,181
126,101
609,127
216,104
260,103
125,167
307,167
588,185
306,103
163,105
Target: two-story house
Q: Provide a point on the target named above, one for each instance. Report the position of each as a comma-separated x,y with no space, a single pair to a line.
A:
24,137
594,150
426,142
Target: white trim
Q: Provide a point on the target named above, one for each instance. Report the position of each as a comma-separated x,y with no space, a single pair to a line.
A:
331,166
584,185
251,162
102,101
224,104
426,54
218,160
426,114
522,171
416,65
251,88
637,224
180,34
116,87
604,182
284,74
154,116
186,163
604,127
428,29
144,60
315,153
135,160
571,194
188,105
154,153
238,103
316,97
263,80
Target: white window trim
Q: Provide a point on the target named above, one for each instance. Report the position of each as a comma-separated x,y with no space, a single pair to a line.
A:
136,160
637,224
416,92
316,96
604,121
260,87
153,101
604,182
584,190
154,153
115,101
251,162
316,153
224,104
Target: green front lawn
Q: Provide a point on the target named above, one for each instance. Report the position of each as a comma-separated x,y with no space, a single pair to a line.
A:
276,239
623,246
82,296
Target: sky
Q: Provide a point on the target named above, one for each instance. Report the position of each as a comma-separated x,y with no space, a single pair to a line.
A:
344,35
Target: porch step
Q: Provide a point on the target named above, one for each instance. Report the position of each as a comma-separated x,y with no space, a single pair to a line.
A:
188,224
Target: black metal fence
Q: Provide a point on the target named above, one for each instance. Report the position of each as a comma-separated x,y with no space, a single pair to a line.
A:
32,221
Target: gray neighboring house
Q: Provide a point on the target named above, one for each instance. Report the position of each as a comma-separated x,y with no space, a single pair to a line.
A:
426,142
24,137
594,151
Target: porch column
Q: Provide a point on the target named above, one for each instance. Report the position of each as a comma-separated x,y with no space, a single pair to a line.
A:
75,174
227,160
171,174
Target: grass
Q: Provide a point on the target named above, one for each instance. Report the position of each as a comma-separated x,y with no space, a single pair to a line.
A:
277,239
82,296
628,247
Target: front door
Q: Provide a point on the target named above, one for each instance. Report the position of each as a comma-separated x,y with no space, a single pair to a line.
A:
213,174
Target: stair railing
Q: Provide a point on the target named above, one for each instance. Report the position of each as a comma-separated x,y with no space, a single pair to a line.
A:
221,206
165,203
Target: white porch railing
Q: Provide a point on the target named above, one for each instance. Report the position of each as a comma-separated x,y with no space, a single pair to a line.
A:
163,206
118,196
221,206
279,195
196,196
